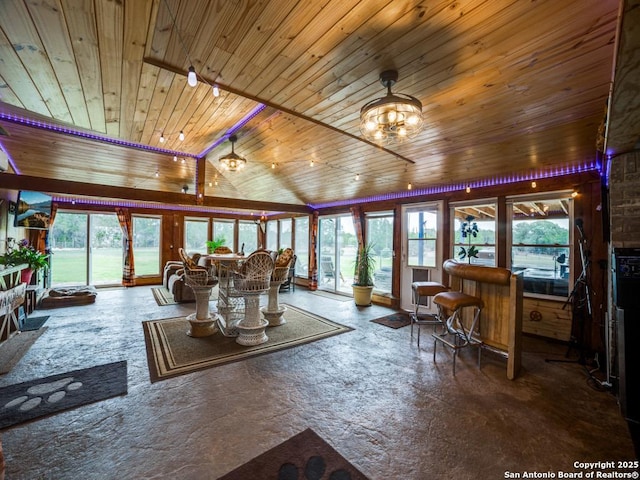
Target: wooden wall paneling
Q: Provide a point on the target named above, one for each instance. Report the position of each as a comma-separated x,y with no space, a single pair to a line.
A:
298,31
34,90
80,18
547,318
148,79
623,121
295,83
154,124
201,166
237,34
110,26
53,31
136,15
500,320
181,42
18,90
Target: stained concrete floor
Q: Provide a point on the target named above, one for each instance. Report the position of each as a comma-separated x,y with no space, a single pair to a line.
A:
371,393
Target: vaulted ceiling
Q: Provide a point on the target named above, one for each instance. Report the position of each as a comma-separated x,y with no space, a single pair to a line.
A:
507,87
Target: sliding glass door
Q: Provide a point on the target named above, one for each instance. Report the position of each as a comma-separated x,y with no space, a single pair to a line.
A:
87,249
337,247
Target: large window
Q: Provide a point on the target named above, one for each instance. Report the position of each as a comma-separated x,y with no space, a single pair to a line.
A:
474,231
337,249
272,235
106,249
422,231
248,236
195,235
379,231
146,244
224,229
69,245
285,233
541,243
301,247
87,249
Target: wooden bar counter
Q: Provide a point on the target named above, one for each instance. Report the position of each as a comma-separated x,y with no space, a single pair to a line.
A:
501,320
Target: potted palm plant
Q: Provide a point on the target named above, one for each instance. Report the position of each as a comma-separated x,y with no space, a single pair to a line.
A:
363,276
213,244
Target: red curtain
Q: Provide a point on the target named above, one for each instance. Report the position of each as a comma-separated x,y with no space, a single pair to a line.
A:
358,224
128,270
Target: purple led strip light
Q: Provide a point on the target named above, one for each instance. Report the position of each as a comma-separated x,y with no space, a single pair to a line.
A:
242,122
489,182
91,136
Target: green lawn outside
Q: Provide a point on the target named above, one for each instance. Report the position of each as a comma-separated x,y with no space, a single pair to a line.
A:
69,266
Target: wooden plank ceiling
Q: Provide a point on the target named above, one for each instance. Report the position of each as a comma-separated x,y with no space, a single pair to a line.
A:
507,87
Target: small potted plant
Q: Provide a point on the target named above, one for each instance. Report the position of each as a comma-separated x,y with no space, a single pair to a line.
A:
468,230
363,276
213,244
21,253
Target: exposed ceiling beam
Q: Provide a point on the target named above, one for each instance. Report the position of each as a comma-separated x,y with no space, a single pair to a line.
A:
235,91
23,182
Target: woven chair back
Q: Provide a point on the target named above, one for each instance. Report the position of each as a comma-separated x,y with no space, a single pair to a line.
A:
199,277
255,274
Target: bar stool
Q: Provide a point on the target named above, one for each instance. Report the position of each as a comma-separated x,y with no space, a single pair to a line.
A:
421,293
462,336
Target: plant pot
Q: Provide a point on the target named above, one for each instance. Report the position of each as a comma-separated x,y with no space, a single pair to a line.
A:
25,275
362,295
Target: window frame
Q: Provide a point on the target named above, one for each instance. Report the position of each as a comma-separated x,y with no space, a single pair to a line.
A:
202,220
454,246
231,243
541,197
377,215
302,262
134,216
434,208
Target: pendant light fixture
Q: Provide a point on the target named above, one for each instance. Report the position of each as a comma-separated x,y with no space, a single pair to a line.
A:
231,161
393,118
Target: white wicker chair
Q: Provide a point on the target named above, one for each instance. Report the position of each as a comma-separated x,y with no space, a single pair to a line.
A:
274,312
201,280
252,280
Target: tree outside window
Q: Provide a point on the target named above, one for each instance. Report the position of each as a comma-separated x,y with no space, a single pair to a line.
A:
541,244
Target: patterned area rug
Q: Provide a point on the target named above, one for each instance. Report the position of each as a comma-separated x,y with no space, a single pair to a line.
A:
29,400
163,296
304,456
171,352
395,320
